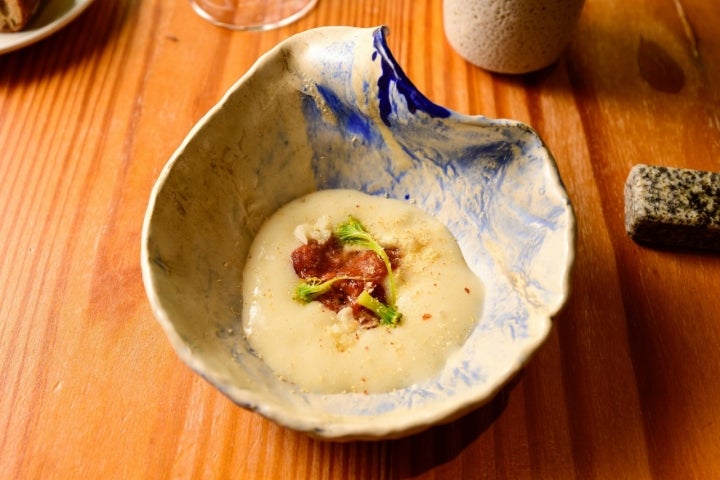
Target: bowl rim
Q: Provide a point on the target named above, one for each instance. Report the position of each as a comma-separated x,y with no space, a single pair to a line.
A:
361,429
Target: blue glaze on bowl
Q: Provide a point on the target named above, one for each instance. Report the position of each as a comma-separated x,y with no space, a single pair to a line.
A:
331,108
394,78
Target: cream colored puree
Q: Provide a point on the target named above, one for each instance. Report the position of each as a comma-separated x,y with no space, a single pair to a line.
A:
324,352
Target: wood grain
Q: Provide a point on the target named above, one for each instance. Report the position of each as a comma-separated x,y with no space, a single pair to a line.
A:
625,387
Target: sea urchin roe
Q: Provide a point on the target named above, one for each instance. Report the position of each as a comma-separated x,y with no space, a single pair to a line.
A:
324,351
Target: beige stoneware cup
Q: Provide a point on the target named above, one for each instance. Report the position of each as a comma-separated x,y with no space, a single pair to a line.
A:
510,36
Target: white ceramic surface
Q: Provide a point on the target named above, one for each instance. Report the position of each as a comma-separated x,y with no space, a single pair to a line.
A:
51,17
330,108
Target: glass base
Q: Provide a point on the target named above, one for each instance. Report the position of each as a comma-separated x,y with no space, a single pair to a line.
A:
252,14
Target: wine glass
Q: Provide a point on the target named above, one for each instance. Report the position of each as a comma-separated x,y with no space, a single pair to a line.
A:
252,14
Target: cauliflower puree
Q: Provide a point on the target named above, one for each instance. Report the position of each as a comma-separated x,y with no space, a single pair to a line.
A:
326,352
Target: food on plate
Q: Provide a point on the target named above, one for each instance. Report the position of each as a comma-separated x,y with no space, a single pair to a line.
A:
347,270
16,14
348,292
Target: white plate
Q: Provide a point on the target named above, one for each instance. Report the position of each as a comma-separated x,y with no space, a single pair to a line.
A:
51,17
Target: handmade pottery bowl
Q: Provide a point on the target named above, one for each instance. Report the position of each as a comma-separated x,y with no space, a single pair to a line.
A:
331,108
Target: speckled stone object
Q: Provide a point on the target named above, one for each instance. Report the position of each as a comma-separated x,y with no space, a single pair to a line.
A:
673,207
510,36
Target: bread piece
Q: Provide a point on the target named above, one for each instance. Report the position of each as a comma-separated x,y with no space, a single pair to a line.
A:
15,14
673,207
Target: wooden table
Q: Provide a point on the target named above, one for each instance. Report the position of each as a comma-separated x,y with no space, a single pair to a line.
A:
625,387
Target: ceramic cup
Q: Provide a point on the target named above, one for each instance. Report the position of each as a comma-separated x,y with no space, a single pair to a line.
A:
510,36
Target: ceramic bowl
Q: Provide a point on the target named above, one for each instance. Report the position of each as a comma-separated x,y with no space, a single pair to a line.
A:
331,108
